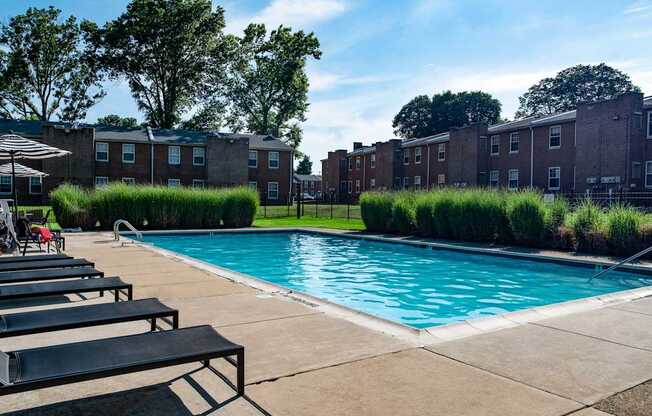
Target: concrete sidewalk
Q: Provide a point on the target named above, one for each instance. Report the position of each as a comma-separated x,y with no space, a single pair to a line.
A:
301,361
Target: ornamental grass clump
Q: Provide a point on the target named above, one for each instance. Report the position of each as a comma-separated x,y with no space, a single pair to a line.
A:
477,215
72,207
376,210
240,206
526,213
623,229
586,225
403,213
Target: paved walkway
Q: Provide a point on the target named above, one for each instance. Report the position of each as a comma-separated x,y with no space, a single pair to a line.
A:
301,361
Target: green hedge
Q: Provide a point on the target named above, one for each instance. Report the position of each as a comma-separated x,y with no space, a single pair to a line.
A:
154,207
526,213
376,210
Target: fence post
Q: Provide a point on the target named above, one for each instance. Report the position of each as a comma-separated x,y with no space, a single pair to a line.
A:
348,207
316,206
331,197
298,201
264,204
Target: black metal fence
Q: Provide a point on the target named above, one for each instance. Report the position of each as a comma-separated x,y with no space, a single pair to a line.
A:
310,206
642,200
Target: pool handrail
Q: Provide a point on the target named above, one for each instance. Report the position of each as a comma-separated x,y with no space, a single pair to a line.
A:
620,263
116,229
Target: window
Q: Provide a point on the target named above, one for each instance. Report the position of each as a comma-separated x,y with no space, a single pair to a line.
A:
198,156
417,155
406,182
253,159
495,145
554,175
649,125
648,174
357,186
636,170
373,160
272,190
101,152
494,178
128,153
129,181
253,185
101,181
174,156
357,163
272,162
350,187
441,152
514,142
372,183
174,183
554,140
417,182
512,177
198,183
35,184
5,184
406,156
441,179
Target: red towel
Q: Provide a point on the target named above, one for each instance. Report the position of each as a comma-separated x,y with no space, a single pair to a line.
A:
44,233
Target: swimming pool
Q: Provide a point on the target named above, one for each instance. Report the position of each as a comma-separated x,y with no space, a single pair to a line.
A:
414,286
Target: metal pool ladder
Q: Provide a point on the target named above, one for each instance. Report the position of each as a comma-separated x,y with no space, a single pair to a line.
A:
620,263
116,229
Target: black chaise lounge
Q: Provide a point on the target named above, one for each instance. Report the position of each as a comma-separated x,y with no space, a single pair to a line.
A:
66,287
37,368
36,257
27,323
48,274
45,264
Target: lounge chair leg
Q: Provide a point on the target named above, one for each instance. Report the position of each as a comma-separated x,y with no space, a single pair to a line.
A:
175,321
206,363
153,321
241,372
130,293
117,295
101,293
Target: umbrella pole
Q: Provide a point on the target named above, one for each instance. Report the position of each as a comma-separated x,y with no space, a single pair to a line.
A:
13,186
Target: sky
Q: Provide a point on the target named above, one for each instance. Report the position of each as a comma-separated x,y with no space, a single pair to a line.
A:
378,54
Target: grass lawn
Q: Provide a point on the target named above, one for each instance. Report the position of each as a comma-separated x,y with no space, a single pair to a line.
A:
335,223
312,210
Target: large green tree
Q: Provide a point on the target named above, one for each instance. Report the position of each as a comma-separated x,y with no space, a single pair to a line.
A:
304,167
168,50
48,67
268,85
574,85
117,121
423,116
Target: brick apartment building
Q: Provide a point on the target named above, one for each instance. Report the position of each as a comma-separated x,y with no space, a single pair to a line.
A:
599,147
102,154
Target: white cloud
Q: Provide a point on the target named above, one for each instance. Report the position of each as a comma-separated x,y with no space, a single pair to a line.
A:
323,81
295,13
638,7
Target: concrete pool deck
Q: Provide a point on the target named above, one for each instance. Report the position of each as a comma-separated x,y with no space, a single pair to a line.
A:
302,360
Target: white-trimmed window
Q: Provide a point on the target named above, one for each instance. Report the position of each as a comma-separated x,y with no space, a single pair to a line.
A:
358,163
372,183
174,155
406,182
372,161
649,125
406,156
174,183
101,181
5,184
417,155
253,159
357,186
554,178
494,148
350,163
272,160
494,178
441,152
512,177
128,153
272,190
198,156
35,184
441,179
554,137
417,182
101,152
198,183
648,174
514,142
129,181
253,185
350,187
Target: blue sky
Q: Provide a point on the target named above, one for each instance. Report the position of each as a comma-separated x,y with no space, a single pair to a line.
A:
377,54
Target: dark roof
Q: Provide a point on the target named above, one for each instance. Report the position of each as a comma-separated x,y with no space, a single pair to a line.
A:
121,134
362,151
261,142
647,102
436,138
309,178
22,127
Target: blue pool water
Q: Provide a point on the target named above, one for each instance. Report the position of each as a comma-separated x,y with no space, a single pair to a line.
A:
410,285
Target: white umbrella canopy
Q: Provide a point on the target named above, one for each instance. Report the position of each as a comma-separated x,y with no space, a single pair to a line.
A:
13,146
21,171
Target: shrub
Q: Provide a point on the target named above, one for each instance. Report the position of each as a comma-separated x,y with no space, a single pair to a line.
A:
556,213
403,213
442,208
623,226
72,207
476,215
376,210
527,217
587,219
423,214
240,205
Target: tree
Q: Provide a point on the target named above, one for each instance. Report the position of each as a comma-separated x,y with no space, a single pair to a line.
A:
167,50
48,67
572,86
305,166
207,118
117,121
268,85
423,116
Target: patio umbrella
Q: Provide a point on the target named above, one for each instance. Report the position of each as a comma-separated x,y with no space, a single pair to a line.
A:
14,147
21,171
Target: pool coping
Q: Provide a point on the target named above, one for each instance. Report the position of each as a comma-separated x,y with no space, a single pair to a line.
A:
419,336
